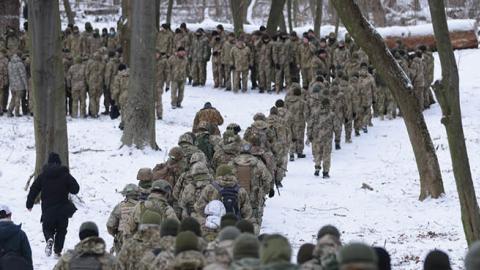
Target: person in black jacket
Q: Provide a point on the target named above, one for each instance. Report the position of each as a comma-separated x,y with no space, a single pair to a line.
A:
15,252
55,183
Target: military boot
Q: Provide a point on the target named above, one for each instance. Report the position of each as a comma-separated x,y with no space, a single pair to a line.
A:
357,133
326,175
317,170
301,155
337,145
365,130
292,157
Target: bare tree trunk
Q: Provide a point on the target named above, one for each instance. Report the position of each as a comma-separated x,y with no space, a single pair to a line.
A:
282,26
289,15
50,125
295,13
313,7
124,26
218,9
318,17
245,5
378,13
9,15
275,16
68,10
396,80
337,25
140,110
236,9
416,5
447,92
157,14
169,11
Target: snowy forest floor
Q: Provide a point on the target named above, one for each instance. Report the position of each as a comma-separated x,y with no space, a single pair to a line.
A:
389,216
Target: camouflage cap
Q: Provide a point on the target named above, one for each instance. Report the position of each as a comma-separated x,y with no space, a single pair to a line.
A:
472,260
130,190
275,248
246,246
169,227
356,253
150,217
186,241
145,174
229,233
176,153
224,170
161,185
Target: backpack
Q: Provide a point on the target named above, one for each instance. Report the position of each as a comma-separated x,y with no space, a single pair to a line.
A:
13,260
85,262
229,198
203,143
244,176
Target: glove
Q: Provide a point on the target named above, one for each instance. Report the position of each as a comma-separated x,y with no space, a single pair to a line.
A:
166,89
271,193
277,66
346,120
250,66
232,67
354,115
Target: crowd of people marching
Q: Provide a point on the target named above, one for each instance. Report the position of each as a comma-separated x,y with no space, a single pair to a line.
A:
203,207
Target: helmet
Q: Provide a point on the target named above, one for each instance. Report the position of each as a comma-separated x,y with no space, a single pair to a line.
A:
130,190
185,138
145,174
199,168
259,116
161,185
176,153
224,170
198,157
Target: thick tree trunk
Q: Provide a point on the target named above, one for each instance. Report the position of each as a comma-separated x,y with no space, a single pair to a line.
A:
313,7
245,4
289,15
275,16
169,11
372,43
378,13
295,13
318,17
124,27
157,14
48,83
282,26
447,92
68,10
236,9
140,110
9,15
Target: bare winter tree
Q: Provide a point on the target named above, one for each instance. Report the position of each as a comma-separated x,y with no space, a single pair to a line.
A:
318,17
68,10
50,125
169,11
236,8
140,110
447,92
378,13
397,81
289,15
275,16
124,27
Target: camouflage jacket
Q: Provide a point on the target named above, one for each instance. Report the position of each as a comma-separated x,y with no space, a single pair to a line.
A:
156,203
265,55
111,69
241,58
17,75
366,85
281,53
245,264
166,245
220,253
296,107
211,116
75,45
88,253
162,261
200,49
226,56
146,239
182,40
225,153
169,171
177,68
305,55
341,57
320,125
348,91
188,260
120,219
3,70
428,67
162,69
192,192
76,77
279,266
216,46
120,88
417,73
259,130
321,66
94,72
164,43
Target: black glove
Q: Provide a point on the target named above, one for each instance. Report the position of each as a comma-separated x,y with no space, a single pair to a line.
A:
250,66
310,139
271,193
346,120
232,67
166,89
354,115
277,66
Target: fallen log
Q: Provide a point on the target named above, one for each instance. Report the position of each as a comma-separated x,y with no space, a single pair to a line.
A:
463,34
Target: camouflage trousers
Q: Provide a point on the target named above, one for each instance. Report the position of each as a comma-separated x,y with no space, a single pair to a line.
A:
366,116
16,102
158,98
243,75
217,71
294,72
358,120
4,99
307,77
107,98
280,74
348,123
94,101
178,88
390,105
379,105
227,76
298,137
337,127
282,163
322,151
198,72
265,78
428,96
78,102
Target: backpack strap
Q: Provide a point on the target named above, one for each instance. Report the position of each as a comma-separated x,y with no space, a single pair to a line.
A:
217,186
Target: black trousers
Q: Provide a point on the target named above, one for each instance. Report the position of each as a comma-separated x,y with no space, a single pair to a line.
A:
56,229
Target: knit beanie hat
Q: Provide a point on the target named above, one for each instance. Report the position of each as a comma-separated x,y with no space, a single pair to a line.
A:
186,241
245,226
169,227
192,225
229,233
328,229
275,248
437,260
357,253
305,253
88,229
228,219
246,246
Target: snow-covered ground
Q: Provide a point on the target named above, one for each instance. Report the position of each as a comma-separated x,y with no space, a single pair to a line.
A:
389,216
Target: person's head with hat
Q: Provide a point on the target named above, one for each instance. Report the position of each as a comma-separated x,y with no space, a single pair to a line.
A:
357,256
5,212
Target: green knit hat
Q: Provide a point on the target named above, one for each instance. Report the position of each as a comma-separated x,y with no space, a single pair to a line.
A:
223,170
150,217
169,227
186,241
245,226
191,224
275,248
357,253
246,246
228,219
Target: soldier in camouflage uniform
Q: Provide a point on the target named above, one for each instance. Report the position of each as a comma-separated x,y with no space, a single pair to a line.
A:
320,134
164,43
348,91
295,104
18,84
94,72
282,139
200,178
111,70
255,178
200,55
305,55
353,65
417,77
294,44
161,80
219,253
77,82
187,143
227,150
380,96
321,64
173,168
276,253
225,178
324,253
187,253
119,218
145,239
168,233
366,86
362,257
246,253
90,253
12,41
241,60
227,60
217,69
428,68
178,73
339,108
120,90
341,55
3,80
145,180
156,202
74,43
210,115
281,60
265,64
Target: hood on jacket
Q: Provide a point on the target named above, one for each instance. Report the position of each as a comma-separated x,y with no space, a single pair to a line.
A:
8,229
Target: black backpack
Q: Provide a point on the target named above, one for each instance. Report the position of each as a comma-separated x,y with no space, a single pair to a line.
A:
203,143
12,260
85,262
229,198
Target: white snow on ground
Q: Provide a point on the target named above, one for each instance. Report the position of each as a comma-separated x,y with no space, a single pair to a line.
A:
389,216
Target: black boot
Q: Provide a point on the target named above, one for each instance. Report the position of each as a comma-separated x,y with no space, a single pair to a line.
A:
357,133
301,155
292,157
317,170
365,130
326,175
337,146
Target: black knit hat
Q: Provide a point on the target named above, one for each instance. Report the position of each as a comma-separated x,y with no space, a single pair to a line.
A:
192,225
169,227
88,229
305,253
228,220
328,229
54,158
383,258
245,226
437,260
